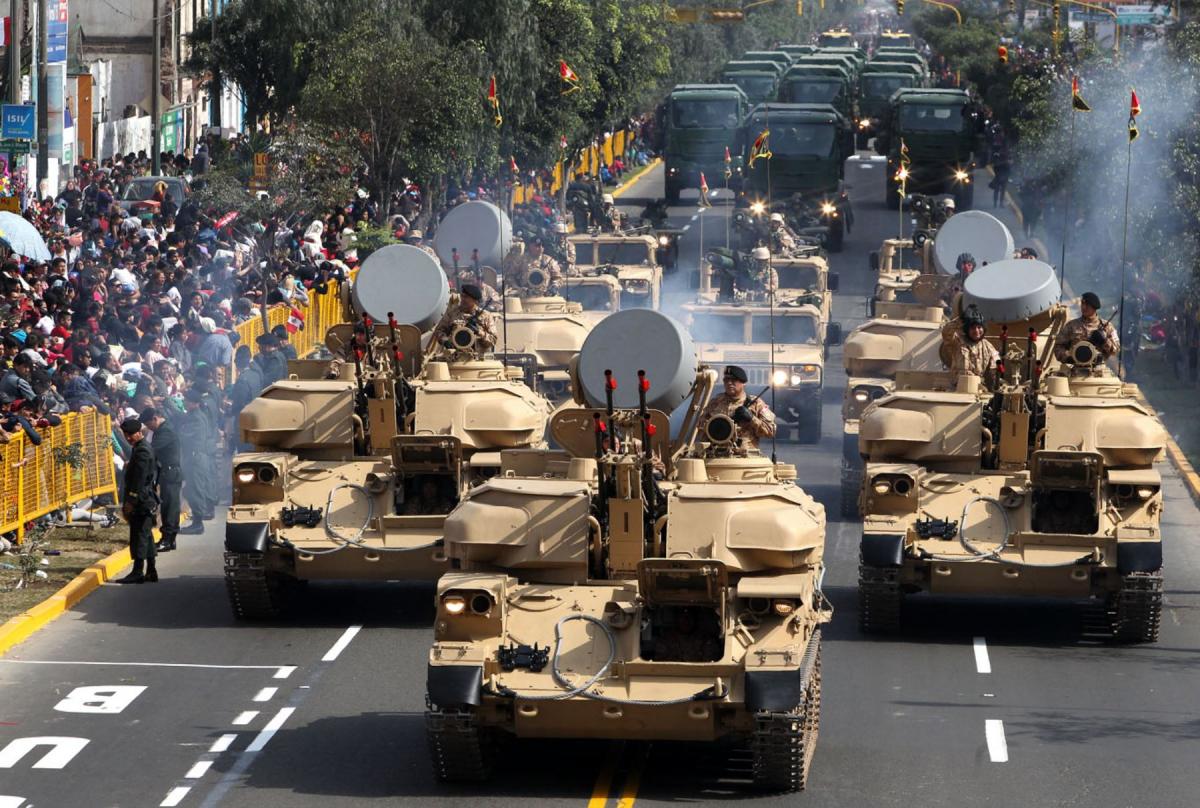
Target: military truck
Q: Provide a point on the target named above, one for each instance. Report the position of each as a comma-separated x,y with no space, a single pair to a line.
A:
759,80
819,84
900,337
631,259
876,86
1044,487
895,39
737,324
943,131
809,146
796,51
779,57
351,475
699,122
632,586
835,37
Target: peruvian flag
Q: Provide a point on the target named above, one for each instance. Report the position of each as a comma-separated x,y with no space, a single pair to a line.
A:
295,320
6,33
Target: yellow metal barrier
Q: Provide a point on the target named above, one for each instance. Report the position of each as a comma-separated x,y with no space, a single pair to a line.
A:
321,312
587,161
34,482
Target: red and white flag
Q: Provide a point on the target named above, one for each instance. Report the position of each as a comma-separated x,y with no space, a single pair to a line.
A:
295,320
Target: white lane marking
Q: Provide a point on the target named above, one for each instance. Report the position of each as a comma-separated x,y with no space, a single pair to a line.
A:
244,718
141,664
223,743
339,646
284,672
175,796
199,770
997,747
266,694
268,732
982,663
694,218
685,227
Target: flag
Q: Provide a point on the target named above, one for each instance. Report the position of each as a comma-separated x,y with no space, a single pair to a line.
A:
1135,109
728,164
512,164
494,100
761,147
562,142
568,76
295,320
902,172
1077,102
704,200
905,160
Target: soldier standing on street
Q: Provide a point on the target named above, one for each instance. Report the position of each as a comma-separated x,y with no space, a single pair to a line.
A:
197,440
165,443
754,419
1089,327
469,314
970,352
274,363
139,504
536,261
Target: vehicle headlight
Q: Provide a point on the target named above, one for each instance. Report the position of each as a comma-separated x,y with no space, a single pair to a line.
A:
805,373
783,607
246,474
797,378
961,176
454,604
664,241
758,208
864,124
780,378
881,486
862,396
828,209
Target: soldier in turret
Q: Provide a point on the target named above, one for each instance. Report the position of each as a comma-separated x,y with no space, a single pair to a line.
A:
965,350
1089,327
469,314
783,238
753,417
533,263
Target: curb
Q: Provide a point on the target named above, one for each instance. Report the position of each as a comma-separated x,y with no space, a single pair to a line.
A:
29,622
1178,459
633,180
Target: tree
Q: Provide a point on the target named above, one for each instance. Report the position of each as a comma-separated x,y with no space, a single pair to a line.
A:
415,114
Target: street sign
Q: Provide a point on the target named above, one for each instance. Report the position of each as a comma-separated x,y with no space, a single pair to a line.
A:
16,146
18,121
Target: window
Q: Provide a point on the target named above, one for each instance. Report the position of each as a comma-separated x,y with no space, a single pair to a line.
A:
884,86
716,113
800,139
929,118
814,91
630,254
717,328
788,330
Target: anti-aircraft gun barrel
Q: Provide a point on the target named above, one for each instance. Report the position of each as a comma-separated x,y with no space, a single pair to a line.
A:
610,386
368,333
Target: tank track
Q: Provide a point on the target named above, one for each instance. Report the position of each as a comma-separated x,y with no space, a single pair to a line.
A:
783,744
879,599
459,748
254,594
851,484
1135,610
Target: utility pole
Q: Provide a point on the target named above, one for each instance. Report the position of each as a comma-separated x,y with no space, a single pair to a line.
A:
214,95
14,51
43,108
155,92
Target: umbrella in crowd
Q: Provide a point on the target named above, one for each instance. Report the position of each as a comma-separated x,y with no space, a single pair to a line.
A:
22,237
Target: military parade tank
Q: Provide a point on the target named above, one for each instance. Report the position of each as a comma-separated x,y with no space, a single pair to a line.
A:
1045,487
352,474
782,343
631,586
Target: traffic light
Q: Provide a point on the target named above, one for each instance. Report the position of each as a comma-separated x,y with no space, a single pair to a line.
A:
1056,13
1012,6
726,16
900,7
799,8
1002,52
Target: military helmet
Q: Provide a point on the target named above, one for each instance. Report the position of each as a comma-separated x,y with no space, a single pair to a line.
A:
760,254
972,317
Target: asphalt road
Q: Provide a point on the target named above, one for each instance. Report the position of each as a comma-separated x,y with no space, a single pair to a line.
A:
152,695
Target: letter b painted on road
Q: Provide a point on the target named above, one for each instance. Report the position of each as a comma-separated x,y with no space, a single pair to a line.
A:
99,699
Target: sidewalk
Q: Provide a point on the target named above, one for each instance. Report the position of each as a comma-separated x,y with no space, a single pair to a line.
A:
1172,396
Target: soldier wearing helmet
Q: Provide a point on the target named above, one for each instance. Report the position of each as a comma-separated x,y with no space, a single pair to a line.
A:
965,264
565,249
757,278
1088,327
783,238
752,417
965,349
611,220
536,274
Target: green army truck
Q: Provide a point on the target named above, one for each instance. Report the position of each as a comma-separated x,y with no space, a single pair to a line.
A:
796,51
699,121
875,90
809,145
902,57
819,84
835,37
758,79
943,132
779,57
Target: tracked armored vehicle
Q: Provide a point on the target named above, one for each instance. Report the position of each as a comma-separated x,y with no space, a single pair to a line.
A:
632,586
354,469
1044,487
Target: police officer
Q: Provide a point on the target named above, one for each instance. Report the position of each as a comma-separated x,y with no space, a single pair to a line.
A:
754,419
471,314
1089,327
197,441
285,346
535,259
968,351
167,457
272,361
139,502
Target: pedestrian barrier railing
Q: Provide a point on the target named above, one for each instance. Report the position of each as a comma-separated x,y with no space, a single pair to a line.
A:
318,314
587,161
73,462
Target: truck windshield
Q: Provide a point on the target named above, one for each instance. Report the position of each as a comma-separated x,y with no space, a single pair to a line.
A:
593,297
814,91
798,276
883,86
714,113
930,118
789,330
634,253
802,139
717,327
756,88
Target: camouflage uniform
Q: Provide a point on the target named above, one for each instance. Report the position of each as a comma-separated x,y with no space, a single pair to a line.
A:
783,240
480,321
567,248
978,359
762,425
1081,328
426,248
520,278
